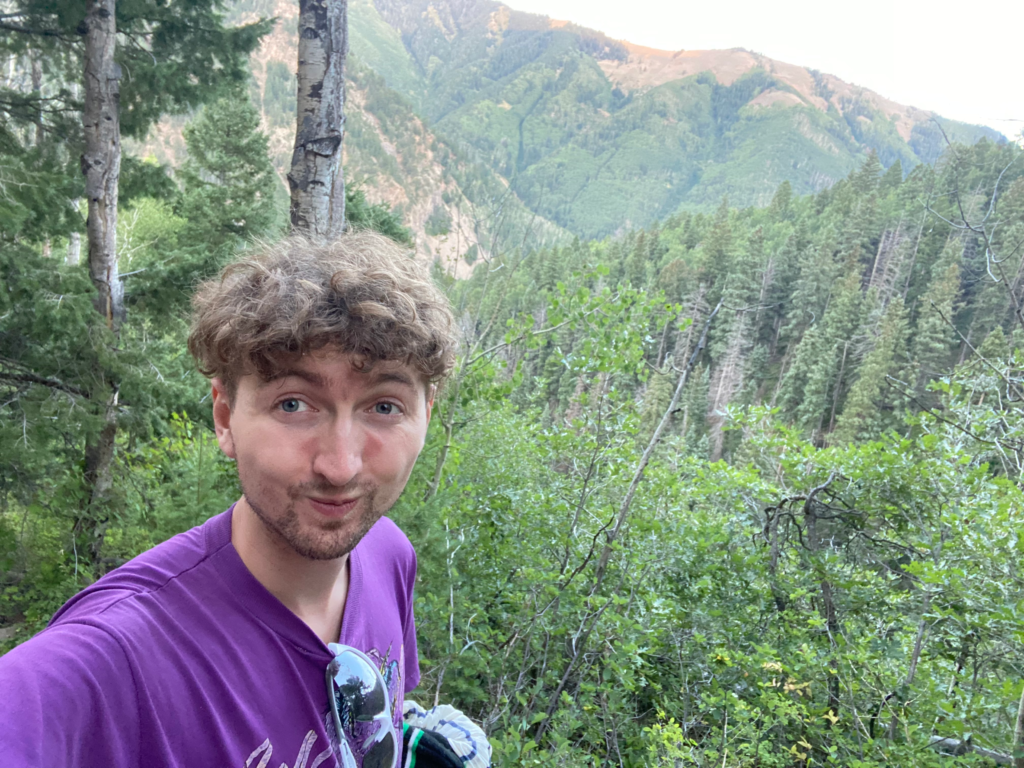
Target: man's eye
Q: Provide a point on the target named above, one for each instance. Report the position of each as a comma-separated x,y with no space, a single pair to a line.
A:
385,409
291,405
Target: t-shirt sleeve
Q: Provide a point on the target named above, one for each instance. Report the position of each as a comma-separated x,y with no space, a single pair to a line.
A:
67,698
412,659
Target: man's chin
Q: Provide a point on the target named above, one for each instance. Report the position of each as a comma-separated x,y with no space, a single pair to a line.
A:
316,537
328,539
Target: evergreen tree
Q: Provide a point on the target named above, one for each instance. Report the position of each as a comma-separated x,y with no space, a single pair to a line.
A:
893,177
996,346
636,262
873,406
693,412
815,381
779,206
934,341
656,398
812,359
228,182
817,271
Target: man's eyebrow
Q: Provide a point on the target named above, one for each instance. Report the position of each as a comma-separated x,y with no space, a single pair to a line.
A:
397,377
313,378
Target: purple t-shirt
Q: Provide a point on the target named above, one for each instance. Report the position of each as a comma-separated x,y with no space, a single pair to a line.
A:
181,658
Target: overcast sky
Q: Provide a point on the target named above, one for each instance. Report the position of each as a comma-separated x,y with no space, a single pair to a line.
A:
964,61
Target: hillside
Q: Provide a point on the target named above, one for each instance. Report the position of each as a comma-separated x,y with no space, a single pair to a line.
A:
598,134
488,127
455,207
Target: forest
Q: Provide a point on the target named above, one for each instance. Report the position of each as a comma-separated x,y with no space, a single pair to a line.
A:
742,487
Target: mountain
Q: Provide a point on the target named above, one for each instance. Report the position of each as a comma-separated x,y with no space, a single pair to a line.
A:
597,134
457,208
488,128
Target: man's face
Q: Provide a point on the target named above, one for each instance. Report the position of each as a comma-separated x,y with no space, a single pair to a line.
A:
324,449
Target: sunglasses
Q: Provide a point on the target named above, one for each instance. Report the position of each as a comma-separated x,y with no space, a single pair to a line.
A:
361,709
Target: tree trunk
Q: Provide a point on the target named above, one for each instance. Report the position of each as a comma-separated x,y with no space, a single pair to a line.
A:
37,87
316,181
99,474
74,254
101,165
101,162
1018,736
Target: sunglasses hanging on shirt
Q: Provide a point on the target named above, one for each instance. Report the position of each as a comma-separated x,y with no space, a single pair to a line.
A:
361,709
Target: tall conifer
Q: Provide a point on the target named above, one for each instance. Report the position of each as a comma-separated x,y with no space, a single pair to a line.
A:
873,405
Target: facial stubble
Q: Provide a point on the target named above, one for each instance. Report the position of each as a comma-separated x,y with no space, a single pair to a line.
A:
328,541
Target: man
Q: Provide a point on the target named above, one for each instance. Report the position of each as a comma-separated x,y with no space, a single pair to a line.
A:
212,648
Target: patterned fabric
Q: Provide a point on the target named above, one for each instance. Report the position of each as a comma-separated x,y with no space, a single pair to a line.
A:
442,737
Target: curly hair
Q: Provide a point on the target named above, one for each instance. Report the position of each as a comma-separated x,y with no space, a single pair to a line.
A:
360,293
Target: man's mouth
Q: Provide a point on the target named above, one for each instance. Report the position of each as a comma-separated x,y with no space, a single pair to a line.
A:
333,507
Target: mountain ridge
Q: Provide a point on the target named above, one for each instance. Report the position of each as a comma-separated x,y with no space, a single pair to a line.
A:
597,134
489,128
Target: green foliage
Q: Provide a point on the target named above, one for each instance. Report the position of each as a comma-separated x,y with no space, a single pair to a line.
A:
228,183
534,104
841,586
379,217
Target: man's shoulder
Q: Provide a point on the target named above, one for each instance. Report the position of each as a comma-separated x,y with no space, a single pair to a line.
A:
147,574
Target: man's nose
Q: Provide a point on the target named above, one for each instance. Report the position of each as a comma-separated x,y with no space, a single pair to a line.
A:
339,456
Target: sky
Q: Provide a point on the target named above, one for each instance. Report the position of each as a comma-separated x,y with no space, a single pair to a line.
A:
963,61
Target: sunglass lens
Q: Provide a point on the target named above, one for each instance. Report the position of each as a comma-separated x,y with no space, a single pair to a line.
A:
359,686
381,754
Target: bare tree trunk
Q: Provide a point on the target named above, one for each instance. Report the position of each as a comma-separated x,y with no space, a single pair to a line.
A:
74,254
36,66
1018,736
316,180
101,162
101,165
99,474
37,87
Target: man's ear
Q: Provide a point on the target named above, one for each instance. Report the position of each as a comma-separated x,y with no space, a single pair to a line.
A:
222,406
431,394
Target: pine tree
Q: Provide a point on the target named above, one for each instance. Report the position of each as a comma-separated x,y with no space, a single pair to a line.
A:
779,206
656,398
934,341
177,54
228,180
996,346
893,177
636,262
816,379
693,410
817,271
804,387
717,246
873,406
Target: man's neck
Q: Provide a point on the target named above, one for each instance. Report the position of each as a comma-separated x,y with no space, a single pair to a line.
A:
314,590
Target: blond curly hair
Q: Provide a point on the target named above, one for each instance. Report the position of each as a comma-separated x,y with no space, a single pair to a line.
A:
360,293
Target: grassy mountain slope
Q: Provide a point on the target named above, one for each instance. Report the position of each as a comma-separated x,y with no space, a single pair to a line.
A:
596,134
